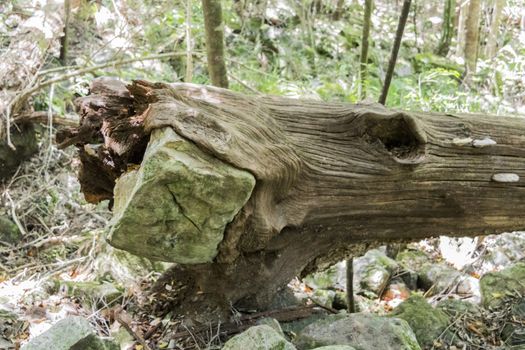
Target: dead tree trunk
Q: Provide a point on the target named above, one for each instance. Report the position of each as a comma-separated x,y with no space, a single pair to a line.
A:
246,192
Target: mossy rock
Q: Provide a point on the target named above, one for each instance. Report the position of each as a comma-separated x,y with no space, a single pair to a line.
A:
457,307
496,287
176,206
413,259
261,337
71,333
427,322
361,331
372,272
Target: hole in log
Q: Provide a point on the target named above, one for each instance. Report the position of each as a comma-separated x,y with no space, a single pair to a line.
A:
400,135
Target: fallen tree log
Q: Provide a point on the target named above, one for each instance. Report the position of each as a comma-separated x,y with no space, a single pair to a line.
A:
246,192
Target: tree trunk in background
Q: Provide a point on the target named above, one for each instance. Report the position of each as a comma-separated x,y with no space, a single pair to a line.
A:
339,10
472,36
364,47
462,19
329,181
65,38
395,50
188,77
214,33
19,63
447,28
492,40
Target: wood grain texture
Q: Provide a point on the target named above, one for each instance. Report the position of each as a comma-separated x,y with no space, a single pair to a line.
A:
331,177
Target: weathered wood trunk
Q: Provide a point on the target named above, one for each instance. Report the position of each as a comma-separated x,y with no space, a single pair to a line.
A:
328,177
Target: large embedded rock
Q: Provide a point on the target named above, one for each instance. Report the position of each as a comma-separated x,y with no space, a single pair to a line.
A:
71,333
176,206
259,338
427,322
361,331
497,286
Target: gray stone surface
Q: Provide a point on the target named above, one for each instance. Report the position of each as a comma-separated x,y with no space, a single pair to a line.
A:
71,333
361,331
261,337
497,286
427,322
176,206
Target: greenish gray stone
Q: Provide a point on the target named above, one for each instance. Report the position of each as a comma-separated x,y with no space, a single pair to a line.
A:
122,267
90,292
427,322
458,307
496,286
333,277
272,322
176,206
336,347
372,272
258,338
324,297
412,259
361,331
296,326
71,333
8,230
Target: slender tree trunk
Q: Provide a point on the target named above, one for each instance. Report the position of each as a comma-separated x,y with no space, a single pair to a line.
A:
339,10
65,38
328,180
492,40
462,19
395,50
189,56
214,33
472,36
447,29
364,47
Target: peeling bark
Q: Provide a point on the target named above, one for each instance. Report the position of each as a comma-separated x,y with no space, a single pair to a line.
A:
330,177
